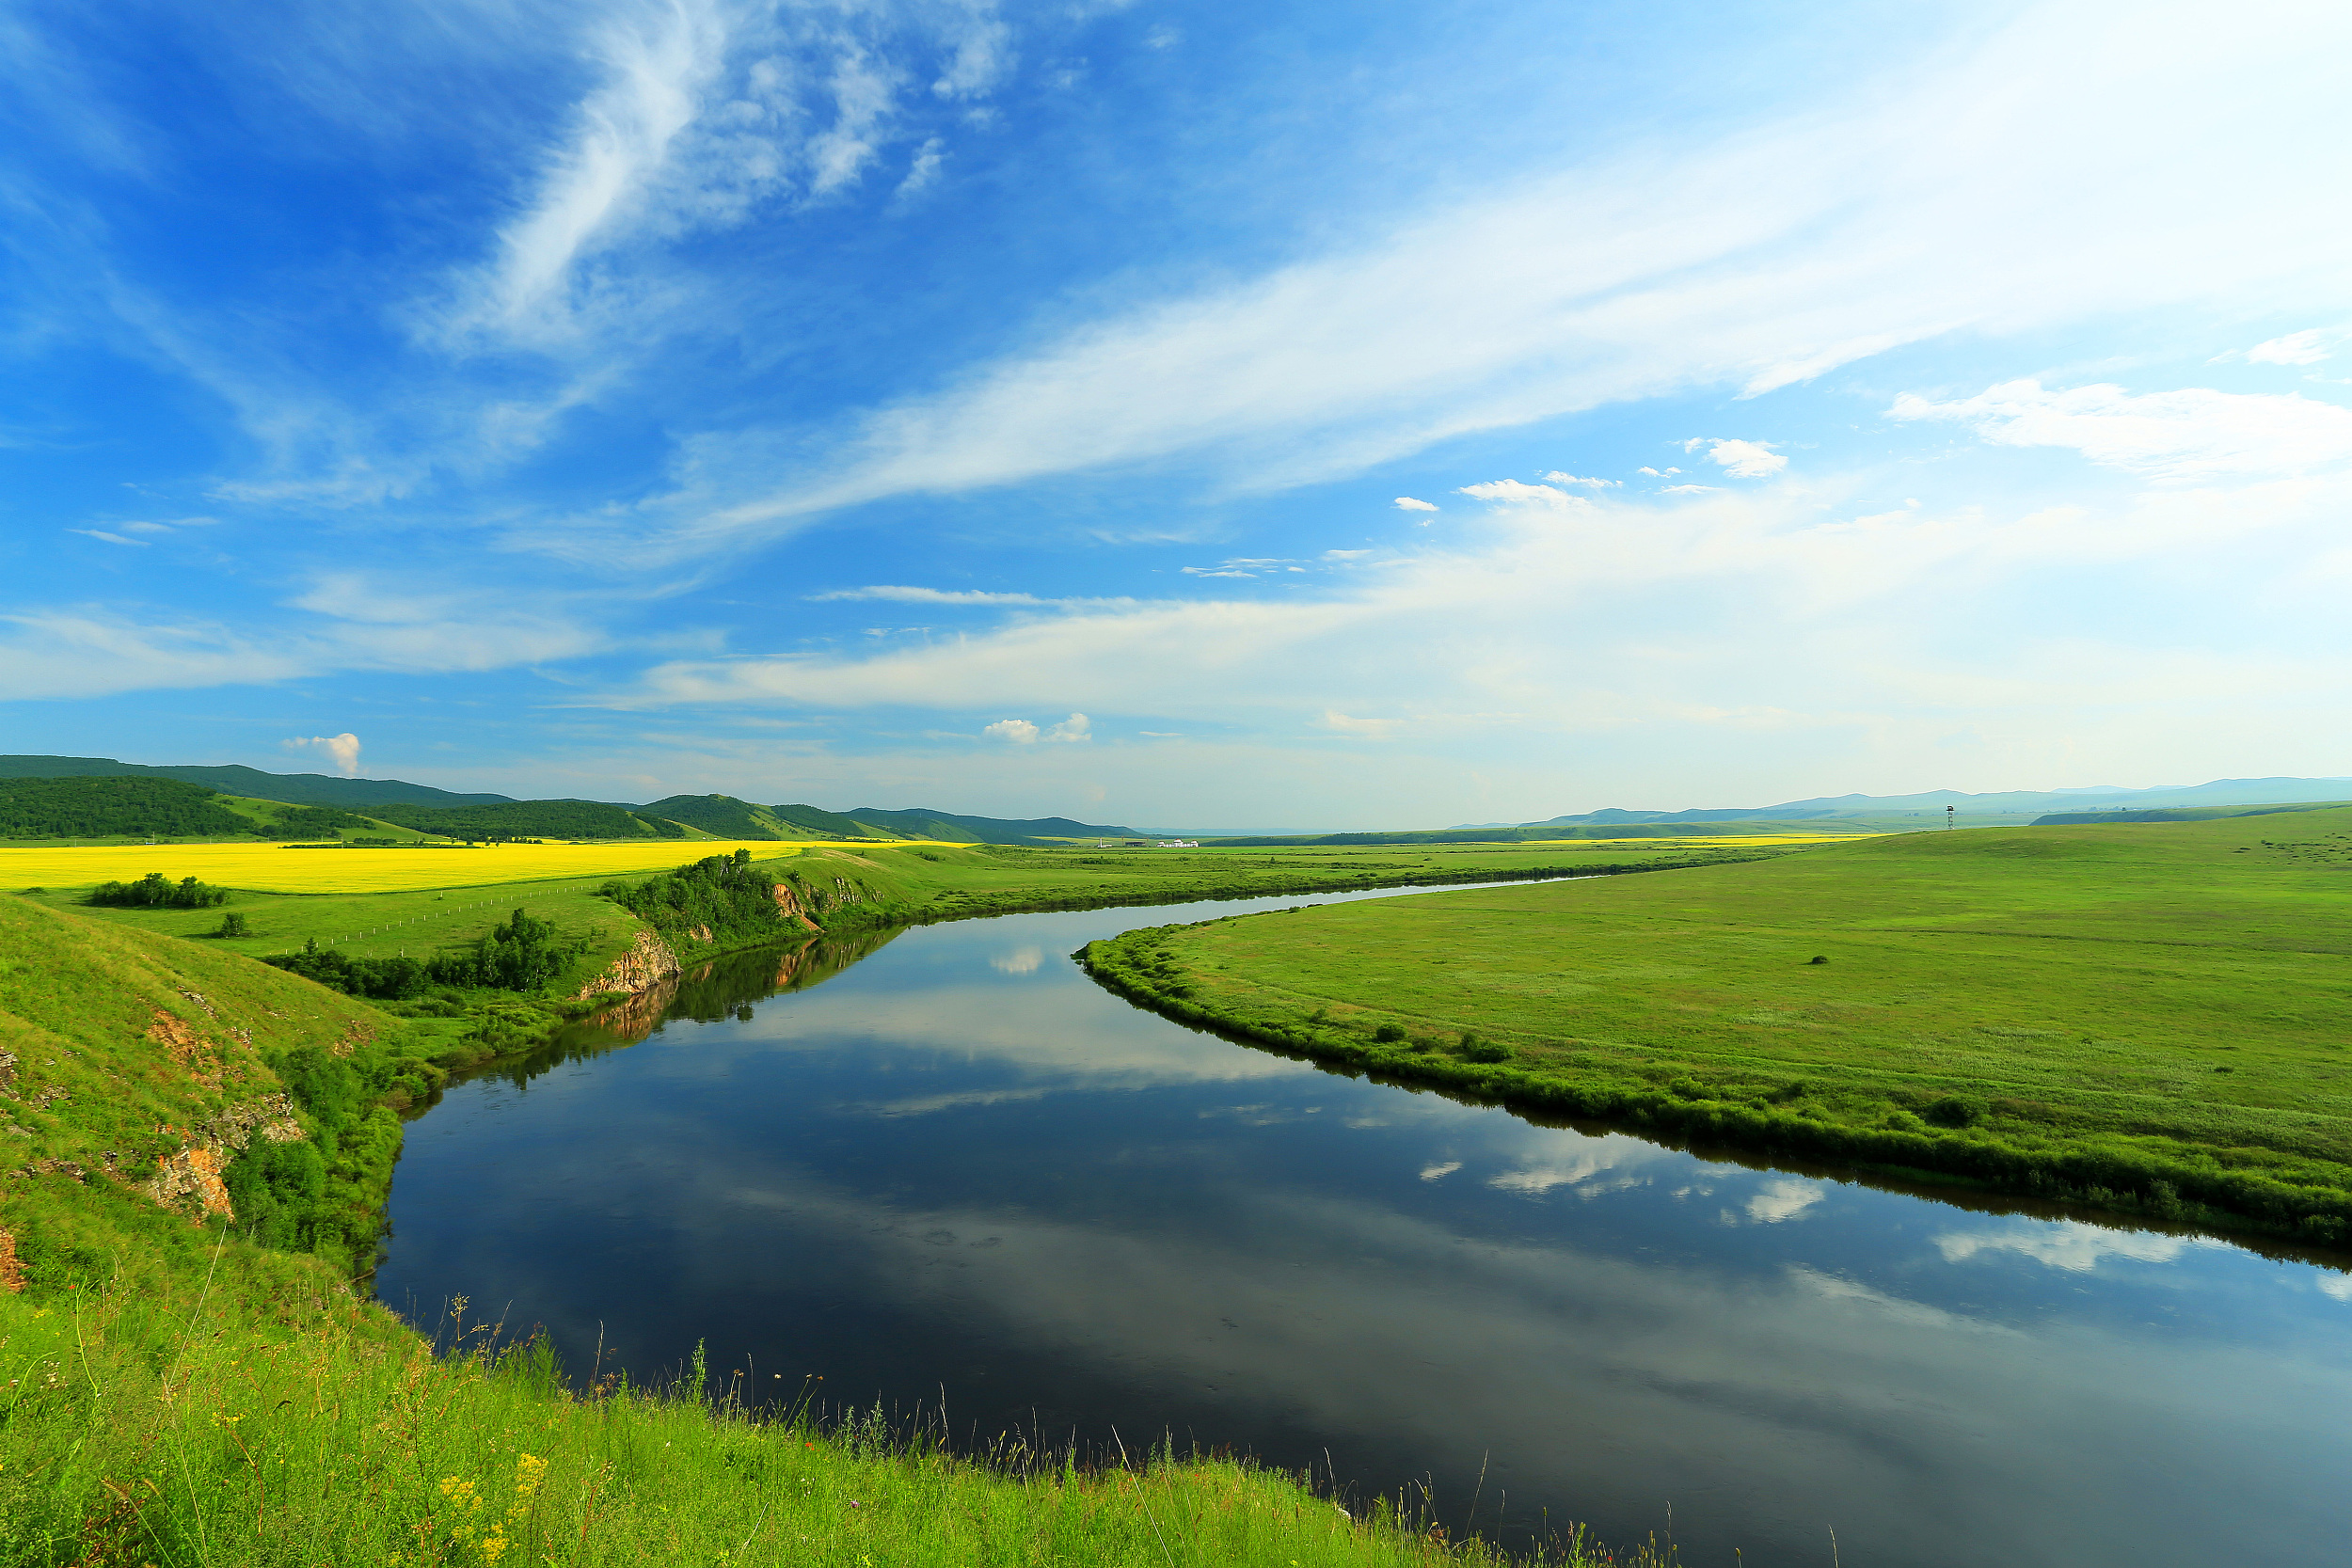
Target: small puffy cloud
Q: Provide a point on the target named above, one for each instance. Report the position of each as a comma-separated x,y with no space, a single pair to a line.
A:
1689,489
1660,473
1739,459
2195,434
1510,492
2308,347
1556,476
1019,731
341,750
1407,503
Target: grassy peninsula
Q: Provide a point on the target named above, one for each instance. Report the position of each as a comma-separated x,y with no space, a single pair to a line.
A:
2152,1018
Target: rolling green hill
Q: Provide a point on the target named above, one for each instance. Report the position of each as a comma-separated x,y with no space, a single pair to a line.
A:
301,789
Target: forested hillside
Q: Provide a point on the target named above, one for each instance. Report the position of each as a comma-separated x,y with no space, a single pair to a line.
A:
113,807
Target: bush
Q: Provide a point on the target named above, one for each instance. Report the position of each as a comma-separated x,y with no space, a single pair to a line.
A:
1387,1033
385,979
156,891
1472,1049
1954,1110
234,925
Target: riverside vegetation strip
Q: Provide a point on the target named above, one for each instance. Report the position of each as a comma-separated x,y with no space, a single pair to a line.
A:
2156,1017
196,1151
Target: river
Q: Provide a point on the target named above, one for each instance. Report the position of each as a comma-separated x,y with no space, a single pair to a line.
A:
948,1165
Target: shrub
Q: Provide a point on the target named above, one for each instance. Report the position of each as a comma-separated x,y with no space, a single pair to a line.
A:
1471,1049
1954,1110
1387,1033
233,925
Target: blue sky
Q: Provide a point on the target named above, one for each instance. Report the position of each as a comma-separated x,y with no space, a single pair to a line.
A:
1184,415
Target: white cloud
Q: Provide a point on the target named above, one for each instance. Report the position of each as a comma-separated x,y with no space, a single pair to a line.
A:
1741,459
1022,733
1784,1198
1691,490
2308,347
702,115
2068,1245
1438,1172
1407,503
1515,493
341,750
2194,434
1926,205
930,595
1556,476
1363,729
109,538
1660,473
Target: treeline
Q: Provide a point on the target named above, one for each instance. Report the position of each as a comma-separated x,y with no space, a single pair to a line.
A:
114,808
516,819
155,891
521,954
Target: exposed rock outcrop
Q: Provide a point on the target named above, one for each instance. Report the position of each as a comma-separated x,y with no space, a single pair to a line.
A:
189,1182
788,906
648,962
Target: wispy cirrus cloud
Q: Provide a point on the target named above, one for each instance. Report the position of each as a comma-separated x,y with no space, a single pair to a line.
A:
1913,211
2189,436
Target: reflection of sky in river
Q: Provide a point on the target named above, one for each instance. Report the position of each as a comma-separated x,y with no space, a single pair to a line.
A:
962,1164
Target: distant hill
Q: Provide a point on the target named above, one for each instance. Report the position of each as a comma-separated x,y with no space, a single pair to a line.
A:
2007,806
818,823
298,789
921,822
531,820
724,817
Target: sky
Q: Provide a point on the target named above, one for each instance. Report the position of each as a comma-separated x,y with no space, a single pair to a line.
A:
1275,416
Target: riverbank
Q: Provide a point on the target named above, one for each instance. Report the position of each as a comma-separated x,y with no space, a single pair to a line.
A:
2139,1019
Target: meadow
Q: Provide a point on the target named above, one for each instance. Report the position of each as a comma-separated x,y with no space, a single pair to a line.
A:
2150,1017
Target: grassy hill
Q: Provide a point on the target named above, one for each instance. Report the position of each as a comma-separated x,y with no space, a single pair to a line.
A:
2152,1017
91,807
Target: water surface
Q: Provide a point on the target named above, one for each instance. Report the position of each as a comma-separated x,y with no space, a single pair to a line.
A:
957,1168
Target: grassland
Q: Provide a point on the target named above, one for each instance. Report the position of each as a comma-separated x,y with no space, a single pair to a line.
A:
172,1394
2154,1017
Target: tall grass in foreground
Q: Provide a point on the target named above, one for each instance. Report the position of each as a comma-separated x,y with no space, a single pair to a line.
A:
133,1434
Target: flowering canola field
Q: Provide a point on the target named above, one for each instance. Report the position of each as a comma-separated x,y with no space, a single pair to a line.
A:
269,868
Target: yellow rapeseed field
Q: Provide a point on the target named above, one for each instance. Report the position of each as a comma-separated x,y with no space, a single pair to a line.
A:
270,869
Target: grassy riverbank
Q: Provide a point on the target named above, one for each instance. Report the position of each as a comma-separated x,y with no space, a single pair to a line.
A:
2152,1018
171,1393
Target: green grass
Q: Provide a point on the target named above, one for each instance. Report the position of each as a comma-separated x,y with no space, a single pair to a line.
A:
196,1435
2152,1017
173,1395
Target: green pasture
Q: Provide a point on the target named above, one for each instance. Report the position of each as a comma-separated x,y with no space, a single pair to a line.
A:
2160,1012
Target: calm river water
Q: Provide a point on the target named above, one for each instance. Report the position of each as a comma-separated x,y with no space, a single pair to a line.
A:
959,1166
